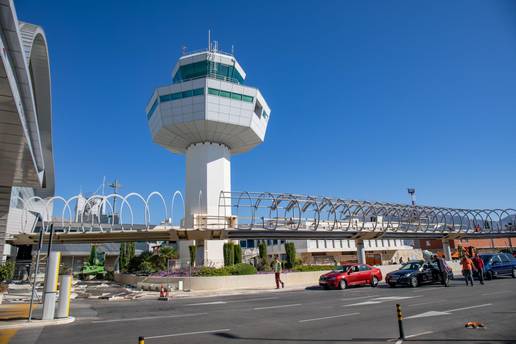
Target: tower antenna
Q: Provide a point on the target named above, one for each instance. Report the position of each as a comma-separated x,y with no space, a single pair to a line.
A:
209,40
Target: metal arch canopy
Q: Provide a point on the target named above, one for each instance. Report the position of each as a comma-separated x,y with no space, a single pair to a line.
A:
292,216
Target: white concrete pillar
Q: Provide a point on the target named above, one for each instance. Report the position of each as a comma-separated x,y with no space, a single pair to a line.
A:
50,288
208,172
65,291
361,256
447,250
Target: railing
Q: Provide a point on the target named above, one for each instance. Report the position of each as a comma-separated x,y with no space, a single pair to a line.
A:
273,211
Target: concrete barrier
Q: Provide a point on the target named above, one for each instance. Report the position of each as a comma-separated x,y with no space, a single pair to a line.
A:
221,283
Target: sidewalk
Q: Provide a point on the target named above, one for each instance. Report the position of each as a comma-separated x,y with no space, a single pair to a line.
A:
14,316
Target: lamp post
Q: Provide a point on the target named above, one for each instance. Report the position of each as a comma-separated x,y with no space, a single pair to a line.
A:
412,193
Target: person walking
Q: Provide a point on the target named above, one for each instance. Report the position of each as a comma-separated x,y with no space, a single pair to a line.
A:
479,265
467,269
276,266
443,270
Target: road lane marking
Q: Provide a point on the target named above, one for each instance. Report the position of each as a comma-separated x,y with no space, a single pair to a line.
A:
188,333
446,312
395,298
207,303
148,318
279,306
497,292
329,317
363,303
357,298
418,334
470,307
255,299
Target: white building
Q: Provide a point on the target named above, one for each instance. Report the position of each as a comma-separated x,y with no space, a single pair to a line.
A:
26,158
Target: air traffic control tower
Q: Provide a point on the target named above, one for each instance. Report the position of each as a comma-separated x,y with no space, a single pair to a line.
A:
207,114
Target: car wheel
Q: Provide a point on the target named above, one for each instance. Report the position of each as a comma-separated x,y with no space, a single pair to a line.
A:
343,284
513,273
392,285
414,282
489,275
374,281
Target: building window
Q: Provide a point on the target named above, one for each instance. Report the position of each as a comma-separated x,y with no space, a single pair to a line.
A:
248,99
152,109
209,69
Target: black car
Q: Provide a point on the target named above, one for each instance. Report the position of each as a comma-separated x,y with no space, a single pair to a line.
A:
415,273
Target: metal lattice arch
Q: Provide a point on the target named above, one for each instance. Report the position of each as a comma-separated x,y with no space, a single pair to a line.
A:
274,211
245,214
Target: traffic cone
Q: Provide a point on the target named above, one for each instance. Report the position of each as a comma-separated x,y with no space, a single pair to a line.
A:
163,294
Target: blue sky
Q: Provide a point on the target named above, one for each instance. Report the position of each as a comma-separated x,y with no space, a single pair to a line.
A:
367,97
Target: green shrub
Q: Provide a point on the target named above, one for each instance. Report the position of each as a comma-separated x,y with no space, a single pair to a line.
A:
229,254
303,268
206,271
92,259
193,254
242,269
290,250
237,254
146,266
6,271
136,264
264,259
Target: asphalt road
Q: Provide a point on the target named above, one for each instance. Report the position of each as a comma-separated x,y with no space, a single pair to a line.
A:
359,315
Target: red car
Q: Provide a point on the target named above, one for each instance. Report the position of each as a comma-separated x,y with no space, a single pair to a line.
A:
348,275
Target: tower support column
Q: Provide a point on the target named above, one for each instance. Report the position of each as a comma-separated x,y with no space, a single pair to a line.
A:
208,172
361,255
447,250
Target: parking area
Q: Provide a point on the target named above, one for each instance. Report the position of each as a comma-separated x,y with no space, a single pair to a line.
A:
367,315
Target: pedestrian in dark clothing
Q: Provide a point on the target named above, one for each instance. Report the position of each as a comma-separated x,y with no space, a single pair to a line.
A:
443,270
467,269
479,264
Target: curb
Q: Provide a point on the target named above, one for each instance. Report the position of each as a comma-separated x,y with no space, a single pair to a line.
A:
21,324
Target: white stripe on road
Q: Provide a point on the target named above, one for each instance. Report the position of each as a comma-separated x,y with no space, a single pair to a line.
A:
418,334
188,333
279,306
148,318
497,292
470,307
357,298
207,303
330,317
256,299
363,303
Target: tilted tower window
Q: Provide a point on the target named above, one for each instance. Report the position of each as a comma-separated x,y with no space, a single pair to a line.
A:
210,69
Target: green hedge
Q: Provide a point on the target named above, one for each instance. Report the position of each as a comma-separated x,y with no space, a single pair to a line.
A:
302,268
6,271
238,269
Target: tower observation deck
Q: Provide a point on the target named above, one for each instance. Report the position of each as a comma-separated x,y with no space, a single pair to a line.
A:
208,114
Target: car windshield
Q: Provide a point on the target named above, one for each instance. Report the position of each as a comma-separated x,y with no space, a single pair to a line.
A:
342,268
486,257
411,266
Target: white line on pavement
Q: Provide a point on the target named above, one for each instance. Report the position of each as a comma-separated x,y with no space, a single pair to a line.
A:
256,299
470,307
329,317
497,292
148,318
279,306
188,333
207,303
357,298
418,334
363,303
